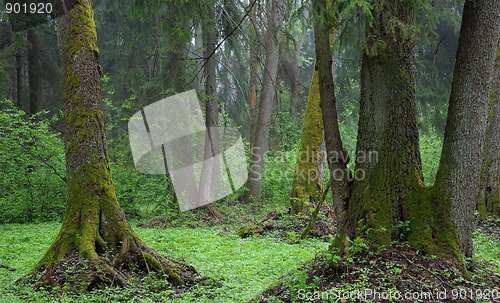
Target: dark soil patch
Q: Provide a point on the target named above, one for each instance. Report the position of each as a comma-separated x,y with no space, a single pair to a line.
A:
398,274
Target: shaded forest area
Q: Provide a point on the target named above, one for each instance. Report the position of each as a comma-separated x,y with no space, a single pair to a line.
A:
369,168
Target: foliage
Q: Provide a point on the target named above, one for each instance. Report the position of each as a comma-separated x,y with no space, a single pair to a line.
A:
32,187
430,151
238,268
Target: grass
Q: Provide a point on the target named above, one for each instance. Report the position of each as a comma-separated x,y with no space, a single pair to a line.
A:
236,269
239,268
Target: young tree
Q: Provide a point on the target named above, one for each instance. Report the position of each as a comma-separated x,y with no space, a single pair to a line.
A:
489,188
258,152
337,156
94,229
457,180
210,174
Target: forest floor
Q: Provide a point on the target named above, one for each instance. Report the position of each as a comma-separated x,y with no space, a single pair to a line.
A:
265,265
396,274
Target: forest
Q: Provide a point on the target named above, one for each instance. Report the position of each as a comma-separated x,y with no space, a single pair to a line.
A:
250,151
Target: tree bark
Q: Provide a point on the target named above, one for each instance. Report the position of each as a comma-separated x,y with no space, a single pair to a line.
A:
307,183
258,151
459,168
253,81
489,184
295,75
34,73
93,224
19,81
388,189
210,178
337,156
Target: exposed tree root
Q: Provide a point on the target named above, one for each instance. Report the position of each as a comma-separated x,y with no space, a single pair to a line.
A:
7,267
111,270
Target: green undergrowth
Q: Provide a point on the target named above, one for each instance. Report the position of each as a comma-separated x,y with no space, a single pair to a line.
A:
234,269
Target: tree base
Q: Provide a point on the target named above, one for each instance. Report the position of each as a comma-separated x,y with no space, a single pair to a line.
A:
77,274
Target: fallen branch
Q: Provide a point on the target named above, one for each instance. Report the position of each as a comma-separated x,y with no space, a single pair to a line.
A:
314,215
7,267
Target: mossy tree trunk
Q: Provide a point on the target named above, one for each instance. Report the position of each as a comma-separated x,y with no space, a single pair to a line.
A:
307,183
457,179
489,186
94,228
389,186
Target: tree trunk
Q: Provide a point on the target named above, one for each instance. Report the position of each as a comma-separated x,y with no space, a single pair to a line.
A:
295,75
388,189
34,72
337,156
258,151
307,181
210,178
489,185
458,175
19,81
253,85
94,228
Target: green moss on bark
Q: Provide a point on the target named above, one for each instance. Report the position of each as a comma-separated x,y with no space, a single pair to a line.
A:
307,183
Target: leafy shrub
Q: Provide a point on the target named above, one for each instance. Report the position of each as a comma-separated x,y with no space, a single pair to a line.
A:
430,151
32,187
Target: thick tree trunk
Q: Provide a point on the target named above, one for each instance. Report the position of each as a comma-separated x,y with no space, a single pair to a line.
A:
489,186
307,183
388,185
258,151
93,224
337,156
458,175
34,72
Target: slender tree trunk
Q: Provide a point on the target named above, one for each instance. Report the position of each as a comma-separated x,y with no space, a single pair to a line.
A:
489,188
34,73
257,157
337,156
295,76
93,223
19,82
459,169
210,178
253,86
